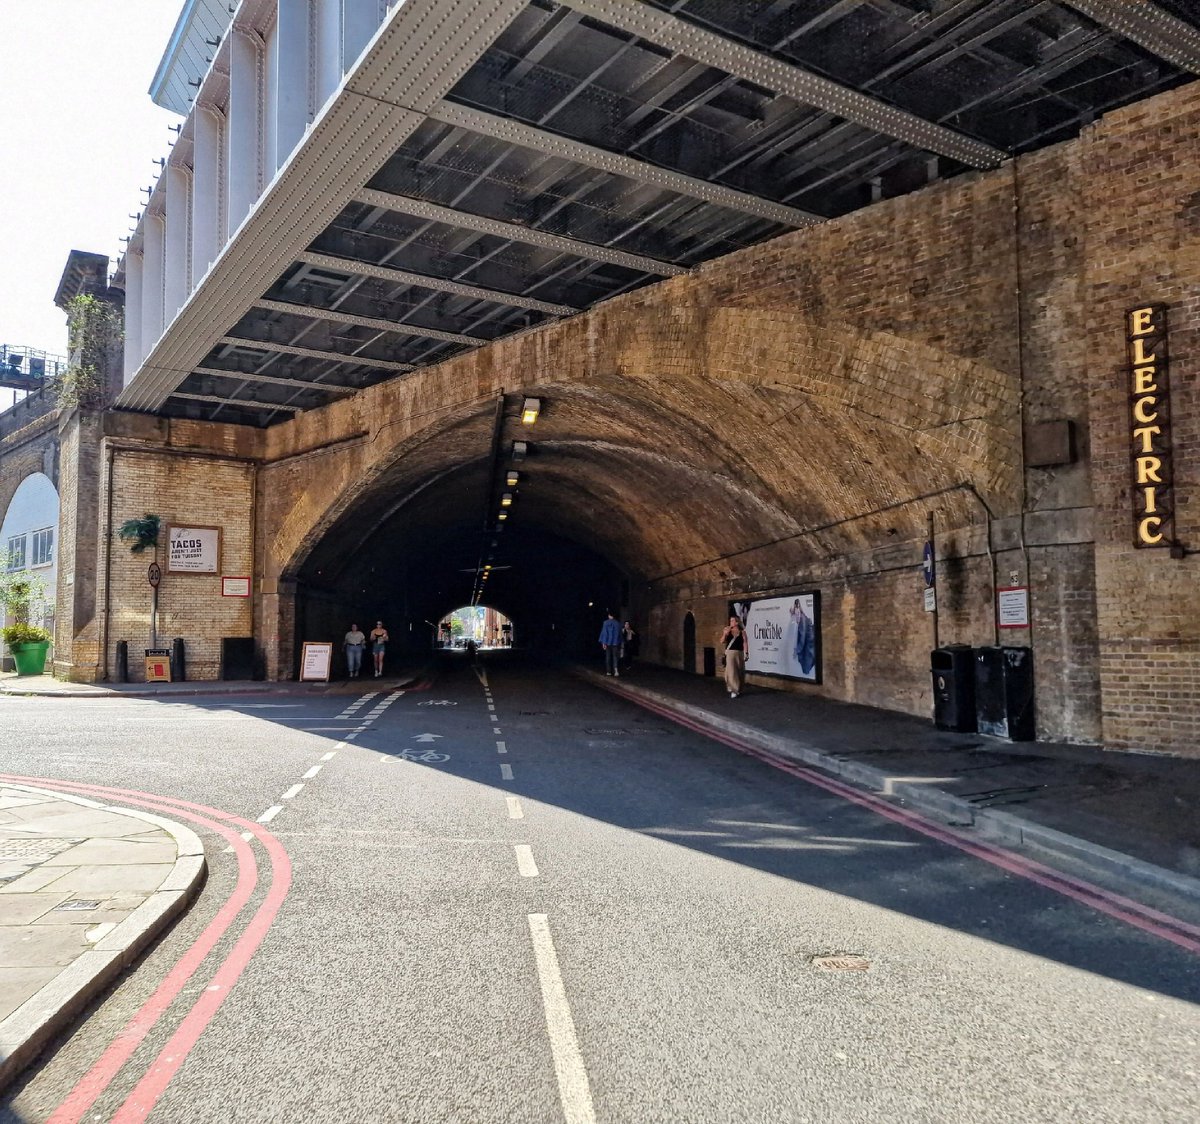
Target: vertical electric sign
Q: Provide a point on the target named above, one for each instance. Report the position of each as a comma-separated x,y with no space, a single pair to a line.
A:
1150,426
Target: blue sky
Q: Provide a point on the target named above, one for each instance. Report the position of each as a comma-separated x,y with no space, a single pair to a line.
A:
78,137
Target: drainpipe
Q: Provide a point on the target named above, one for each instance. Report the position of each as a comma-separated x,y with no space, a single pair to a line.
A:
112,456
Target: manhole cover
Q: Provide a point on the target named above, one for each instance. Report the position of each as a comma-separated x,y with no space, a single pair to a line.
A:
33,850
841,962
77,906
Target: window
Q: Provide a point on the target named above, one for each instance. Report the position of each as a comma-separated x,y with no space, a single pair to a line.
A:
16,553
43,547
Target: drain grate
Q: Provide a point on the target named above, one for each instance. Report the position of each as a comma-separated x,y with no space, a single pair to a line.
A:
76,906
841,962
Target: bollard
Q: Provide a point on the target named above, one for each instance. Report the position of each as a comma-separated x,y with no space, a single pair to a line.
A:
178,663
122,661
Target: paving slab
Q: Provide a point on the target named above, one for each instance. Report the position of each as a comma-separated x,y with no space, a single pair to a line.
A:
1128,816
83,889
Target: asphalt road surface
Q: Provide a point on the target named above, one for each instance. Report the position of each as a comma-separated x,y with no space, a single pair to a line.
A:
513,897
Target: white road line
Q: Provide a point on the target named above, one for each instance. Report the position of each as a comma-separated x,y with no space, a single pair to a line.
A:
270,813
514,808
292,792
526,867
573,1090
330,755
506,773
501,747
312,772
495,729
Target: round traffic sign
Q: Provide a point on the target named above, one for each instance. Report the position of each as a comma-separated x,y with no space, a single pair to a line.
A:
154,574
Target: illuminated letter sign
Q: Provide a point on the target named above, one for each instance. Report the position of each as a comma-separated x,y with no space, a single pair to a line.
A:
1150,426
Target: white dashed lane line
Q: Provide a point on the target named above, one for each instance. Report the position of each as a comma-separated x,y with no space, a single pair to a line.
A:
270,813
515,812
501,747
506,773
526,867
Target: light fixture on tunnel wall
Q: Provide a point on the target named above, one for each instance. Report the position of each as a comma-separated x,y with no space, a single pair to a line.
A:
506,499
502,516
530,411
512,478
520,449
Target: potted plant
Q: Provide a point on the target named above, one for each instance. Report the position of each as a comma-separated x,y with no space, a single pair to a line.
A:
28,643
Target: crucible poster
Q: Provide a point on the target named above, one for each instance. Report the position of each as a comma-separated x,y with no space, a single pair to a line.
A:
783,635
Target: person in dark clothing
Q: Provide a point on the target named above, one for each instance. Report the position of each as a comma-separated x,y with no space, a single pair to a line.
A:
733,640
629,645
610,641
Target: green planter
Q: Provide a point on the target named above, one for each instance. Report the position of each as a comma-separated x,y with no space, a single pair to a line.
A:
30,658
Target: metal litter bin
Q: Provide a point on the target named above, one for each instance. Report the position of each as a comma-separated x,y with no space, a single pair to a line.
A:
953,688
1004,693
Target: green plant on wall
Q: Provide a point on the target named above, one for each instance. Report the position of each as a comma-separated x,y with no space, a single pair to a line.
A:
141,534
94,326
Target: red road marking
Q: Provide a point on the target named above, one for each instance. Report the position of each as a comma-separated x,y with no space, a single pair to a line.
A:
148,1090
1163,925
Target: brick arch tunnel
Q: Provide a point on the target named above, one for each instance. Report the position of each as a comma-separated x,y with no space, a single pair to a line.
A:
648,494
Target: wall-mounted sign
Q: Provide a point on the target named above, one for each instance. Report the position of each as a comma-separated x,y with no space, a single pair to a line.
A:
930,599
1012,606
783,635
158,668
235,587
316,660
1150,426
193,550
154,574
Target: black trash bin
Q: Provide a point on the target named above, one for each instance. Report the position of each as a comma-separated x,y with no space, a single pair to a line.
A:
1004,693
953,688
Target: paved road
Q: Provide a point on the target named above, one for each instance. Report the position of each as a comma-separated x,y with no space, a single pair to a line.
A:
612,919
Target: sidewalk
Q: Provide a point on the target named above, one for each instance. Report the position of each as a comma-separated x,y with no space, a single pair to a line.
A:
46,686
84,888
1128,817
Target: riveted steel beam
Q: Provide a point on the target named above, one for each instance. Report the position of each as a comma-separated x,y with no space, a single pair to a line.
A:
553,144
741,61
420,280
217,400
315,353
378,322
1149,26
333,388
514,232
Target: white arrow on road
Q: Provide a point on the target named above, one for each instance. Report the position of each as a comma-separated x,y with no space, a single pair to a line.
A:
426,737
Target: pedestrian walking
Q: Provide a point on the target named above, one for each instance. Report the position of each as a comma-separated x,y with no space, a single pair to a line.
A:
629,645
379,639
733,640
610,641
354,643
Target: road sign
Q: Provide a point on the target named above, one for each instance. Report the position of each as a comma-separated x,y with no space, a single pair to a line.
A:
927,564
154,574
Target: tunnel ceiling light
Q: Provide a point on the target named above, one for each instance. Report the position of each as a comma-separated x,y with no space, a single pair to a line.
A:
512,478
530,411
487,567
520,450
502,516
506,499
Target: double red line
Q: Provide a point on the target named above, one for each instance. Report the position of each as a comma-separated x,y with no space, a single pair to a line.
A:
1153,921
138,1104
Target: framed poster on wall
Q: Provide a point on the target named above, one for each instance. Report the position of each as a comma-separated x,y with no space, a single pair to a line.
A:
193,550
783,635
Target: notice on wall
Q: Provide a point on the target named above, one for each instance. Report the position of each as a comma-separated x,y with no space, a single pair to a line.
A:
316,661
193,550
783,635
1012,606
930,599
235,587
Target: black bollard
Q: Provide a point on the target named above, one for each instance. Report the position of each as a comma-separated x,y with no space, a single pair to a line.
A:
178,664
122,661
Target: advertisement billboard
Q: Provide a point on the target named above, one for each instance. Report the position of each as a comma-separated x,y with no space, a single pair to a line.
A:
783,635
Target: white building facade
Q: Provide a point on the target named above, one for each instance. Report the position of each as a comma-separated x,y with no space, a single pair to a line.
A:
28,543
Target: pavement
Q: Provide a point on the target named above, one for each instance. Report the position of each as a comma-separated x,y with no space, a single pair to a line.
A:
1127,818
46,686
84,888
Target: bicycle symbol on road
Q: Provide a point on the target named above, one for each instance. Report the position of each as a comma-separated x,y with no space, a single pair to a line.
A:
425,756
437,702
